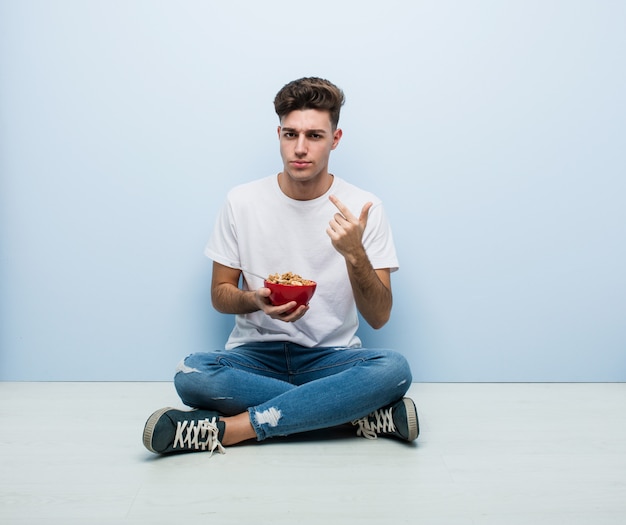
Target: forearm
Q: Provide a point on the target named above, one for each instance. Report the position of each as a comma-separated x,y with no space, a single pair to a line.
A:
229,299
373,297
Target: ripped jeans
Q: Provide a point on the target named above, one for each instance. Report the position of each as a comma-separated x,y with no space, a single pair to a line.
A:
287,388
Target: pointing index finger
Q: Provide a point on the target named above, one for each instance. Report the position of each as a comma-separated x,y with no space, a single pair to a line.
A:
341,207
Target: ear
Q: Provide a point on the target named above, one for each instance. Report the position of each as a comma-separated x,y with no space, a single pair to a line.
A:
278,132
336,137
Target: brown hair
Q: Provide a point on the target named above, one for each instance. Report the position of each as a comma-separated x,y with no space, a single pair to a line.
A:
310,93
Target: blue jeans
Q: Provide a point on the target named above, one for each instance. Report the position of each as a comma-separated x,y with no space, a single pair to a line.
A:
287,388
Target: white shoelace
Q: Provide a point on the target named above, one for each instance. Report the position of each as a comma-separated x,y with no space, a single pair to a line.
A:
379,421
198,435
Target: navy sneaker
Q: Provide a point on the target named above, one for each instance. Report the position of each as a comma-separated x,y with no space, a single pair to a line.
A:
169,430
396,420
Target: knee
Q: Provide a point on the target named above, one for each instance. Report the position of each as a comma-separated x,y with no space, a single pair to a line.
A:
190,378
398,368
184,385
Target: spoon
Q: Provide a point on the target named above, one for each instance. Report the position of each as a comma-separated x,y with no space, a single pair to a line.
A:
255,274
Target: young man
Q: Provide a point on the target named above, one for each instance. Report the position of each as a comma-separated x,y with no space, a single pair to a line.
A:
287,370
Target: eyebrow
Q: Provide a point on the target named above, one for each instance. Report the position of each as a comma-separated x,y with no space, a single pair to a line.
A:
293,130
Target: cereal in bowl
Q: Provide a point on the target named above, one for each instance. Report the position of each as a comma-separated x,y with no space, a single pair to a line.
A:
289,278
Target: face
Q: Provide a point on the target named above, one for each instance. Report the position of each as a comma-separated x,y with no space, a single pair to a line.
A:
306,140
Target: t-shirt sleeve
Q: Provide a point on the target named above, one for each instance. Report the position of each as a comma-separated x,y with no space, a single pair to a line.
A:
222,246
378,240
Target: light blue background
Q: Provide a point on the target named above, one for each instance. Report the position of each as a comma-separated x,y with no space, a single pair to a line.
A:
493,131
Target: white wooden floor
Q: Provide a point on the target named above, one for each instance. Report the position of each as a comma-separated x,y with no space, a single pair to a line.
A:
505,454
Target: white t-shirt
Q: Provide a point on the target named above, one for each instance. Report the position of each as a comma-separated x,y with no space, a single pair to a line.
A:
261,230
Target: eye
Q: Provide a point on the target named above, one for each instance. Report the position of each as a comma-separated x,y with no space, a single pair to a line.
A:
289,134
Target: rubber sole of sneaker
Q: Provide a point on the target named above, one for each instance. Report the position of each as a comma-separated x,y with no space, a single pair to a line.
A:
411,419
148,430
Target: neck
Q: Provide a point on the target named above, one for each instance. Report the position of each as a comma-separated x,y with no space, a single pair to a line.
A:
304,190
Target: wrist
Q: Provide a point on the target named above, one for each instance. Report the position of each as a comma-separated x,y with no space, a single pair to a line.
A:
357,259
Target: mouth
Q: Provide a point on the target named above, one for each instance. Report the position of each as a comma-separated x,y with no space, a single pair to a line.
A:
300,164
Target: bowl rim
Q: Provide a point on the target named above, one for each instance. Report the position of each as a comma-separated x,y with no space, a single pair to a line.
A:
313,283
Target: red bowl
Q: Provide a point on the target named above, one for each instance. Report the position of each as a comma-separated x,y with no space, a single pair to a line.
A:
285,293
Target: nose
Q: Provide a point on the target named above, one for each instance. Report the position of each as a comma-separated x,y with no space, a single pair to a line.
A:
301,146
